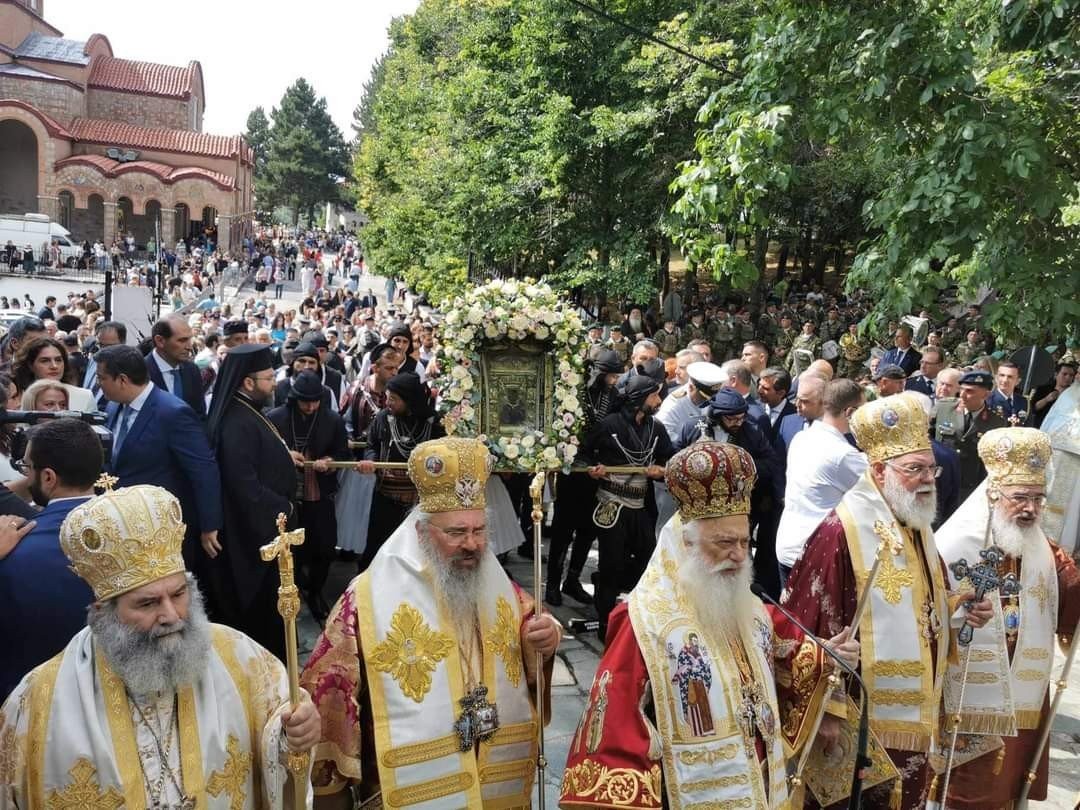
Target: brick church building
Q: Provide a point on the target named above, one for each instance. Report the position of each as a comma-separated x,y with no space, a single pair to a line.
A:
108,146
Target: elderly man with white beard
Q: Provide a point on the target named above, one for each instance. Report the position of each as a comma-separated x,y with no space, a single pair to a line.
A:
1010,660
685,709
151,705
425,672
904,632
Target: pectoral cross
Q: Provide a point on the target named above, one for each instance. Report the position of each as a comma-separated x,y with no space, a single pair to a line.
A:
984,577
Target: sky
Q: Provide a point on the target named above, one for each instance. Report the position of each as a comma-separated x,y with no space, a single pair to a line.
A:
250,52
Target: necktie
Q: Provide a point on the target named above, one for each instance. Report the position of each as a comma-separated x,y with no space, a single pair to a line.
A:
121,431
178,383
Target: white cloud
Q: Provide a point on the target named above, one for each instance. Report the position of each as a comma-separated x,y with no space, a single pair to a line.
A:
250,52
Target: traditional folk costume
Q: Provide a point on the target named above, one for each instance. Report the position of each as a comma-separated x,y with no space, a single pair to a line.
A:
684,715
625,521
72,736
412,710
1010,659
904,642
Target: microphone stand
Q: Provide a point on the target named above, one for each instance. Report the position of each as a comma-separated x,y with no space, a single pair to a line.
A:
861,760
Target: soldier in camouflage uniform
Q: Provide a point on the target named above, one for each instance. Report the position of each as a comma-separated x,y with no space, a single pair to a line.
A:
696,329
620,344
596,342
969,351
785,336
721,335
743,329
854,352
832,328
668,339
951,336
768,326
808,341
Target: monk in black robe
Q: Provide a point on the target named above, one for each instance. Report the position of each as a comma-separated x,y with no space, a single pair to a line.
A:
258,481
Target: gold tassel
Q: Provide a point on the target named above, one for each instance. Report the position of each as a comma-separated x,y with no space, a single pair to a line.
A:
931,794
999,762
896,801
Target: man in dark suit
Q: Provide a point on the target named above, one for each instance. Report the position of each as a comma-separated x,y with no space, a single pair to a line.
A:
903,354
773,386
169,363
106,333
925,382
44,601
158,439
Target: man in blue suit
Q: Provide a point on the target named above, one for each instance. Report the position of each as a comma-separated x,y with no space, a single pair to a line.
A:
158,439
106,333
809,405
903,354
44,603
169,363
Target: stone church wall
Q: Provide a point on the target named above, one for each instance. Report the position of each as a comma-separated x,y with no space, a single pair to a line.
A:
144,111
57,100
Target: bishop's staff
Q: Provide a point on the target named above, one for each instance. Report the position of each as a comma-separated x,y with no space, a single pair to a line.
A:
288,606
1044,732
536,491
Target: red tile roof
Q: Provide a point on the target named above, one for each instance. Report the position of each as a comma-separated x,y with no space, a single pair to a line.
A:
149,78
187,142
167,174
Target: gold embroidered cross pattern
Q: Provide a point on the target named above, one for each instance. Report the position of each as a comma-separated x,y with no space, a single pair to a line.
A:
1040,592
410,652
84,793
891,580
233,775
504,641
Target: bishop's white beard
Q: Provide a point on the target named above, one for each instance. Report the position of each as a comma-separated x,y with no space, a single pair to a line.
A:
916,509
635,322
1012,538
459,589
161,660
718,599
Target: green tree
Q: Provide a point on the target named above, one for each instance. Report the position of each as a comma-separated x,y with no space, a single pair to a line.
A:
954,122
258,137
306,154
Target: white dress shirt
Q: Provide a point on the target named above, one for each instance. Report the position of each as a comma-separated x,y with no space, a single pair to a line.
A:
166,371
676,411
821,468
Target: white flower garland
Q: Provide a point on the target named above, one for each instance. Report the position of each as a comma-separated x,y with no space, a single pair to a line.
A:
516,310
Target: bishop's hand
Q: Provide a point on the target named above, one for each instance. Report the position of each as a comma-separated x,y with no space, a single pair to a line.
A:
541,634
303,726
977,614
845,646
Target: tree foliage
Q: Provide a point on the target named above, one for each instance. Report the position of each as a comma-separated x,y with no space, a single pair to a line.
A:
954,122
258,137
306,156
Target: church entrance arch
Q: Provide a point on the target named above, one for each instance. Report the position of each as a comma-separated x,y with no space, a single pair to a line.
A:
90,224
182,221
18,168
67,208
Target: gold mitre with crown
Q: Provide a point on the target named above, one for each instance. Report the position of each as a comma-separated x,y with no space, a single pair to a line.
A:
890,427
124,539
711,479
450,474
1015,456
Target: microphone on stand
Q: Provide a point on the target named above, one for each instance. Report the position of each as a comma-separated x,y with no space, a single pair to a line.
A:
861,760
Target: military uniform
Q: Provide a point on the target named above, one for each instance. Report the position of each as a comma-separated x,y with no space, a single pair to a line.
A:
694,331
595,347
744,333
832,330
621,348
784,340
810,343
767,329
669,343
951,337
854,352
965,354
721,337
961,431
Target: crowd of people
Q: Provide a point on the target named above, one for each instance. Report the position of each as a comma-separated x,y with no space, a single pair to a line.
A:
722,446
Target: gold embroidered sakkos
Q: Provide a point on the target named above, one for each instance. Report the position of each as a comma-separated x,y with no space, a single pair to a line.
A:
505,642
411,651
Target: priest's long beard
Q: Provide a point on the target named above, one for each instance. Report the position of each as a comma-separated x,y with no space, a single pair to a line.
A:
459,589
916,509
719,599
1012,538
160,660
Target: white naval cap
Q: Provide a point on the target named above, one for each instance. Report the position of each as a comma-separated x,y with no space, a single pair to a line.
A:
706,376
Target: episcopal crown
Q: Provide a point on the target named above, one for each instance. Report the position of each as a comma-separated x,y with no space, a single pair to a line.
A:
711,479
450,474
890,427
124,539
1015,455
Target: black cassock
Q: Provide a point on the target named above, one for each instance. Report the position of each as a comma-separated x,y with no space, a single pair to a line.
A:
258,481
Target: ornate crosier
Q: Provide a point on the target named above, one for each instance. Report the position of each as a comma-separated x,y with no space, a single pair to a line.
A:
288,606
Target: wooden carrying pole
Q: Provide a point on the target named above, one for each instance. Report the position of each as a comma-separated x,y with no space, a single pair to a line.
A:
288,606
402,465
1062,684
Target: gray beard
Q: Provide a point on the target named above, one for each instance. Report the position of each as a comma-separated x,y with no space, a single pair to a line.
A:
1012,538
718,600
459,589
154,662
911,508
